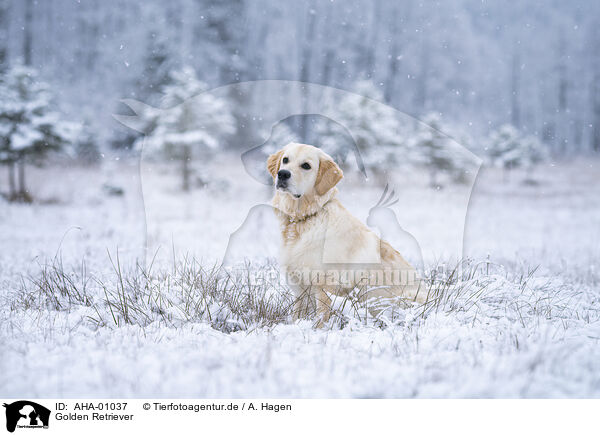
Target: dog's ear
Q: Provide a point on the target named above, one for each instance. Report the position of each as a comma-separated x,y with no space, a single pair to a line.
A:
328,176
273,163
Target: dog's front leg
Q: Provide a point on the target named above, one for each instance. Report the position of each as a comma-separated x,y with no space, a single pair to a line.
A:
323,307
303,304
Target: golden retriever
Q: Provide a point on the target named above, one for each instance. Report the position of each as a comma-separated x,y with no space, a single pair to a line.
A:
325,250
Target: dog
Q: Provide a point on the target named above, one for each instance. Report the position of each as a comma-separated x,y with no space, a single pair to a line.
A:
324,248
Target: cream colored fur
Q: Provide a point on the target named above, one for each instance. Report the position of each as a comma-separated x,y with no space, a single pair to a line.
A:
319,234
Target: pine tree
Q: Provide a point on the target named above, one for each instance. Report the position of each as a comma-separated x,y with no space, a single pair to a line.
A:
536,153
509,149
157,69
432,148
374,126
30,126
192,126
158,63
504,147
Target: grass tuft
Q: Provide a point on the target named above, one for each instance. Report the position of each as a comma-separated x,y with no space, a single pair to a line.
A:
252,296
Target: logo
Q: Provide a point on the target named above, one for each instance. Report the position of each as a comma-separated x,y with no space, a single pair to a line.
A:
26,414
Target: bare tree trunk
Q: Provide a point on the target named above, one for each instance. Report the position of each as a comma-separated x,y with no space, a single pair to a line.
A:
515,88
185,168
87,25
595,95
4,10
421,91
23,193
21,168
305,61
28,32
49,55
374,37
11,180
390,85
326,71
596,115
562,136
173,17
433,177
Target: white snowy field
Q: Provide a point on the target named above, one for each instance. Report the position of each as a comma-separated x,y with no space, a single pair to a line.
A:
525,322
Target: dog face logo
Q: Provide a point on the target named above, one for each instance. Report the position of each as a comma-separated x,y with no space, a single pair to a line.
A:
26,414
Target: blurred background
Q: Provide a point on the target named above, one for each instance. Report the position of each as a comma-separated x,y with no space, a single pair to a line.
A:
85,85
522,80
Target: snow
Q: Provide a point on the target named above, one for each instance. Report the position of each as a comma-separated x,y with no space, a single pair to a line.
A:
24,137
210,77
368,122
501,337
447,359
192,117
508,148
29,122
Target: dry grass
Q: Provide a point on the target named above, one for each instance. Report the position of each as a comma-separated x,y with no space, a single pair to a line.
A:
252,296
229,300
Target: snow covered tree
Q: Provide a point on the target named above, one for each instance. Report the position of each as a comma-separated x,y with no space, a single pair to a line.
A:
157,68
535,153
193,124
158,63
432,148
30,126
504,147
509,149
422,57
375,127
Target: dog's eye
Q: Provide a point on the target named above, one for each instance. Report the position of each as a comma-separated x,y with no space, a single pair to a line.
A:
285,160
305,166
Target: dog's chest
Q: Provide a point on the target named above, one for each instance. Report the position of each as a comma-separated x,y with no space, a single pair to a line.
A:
302,242
330,237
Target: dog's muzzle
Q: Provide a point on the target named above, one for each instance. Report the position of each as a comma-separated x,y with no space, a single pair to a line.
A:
282,178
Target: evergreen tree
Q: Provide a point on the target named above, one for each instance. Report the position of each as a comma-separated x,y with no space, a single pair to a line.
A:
157,64
432,148
374,126
504,147
30,126
509,149
193,124
536,153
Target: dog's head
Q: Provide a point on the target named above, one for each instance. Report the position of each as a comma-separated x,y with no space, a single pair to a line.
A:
300,169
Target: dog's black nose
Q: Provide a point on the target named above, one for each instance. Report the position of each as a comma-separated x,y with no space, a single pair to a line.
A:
284,174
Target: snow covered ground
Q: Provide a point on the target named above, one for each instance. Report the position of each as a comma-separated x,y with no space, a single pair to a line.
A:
503,333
